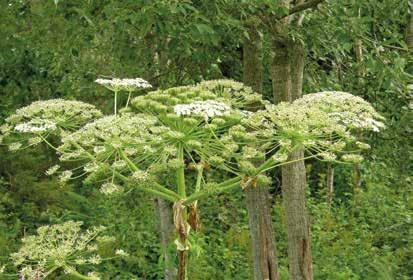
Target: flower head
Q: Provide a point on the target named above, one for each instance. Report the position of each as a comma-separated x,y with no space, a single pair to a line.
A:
352,111
52,170
121,253
47,116
110,188
55,247
207,109
35,126
124,84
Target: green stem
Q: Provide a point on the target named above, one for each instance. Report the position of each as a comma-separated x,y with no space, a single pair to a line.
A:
131,165
161,190
199,178
159,193
180,179
180,173
80,276
200,170
207,193
73,272
116,102
127,101
270,163
166,190
48,143
284,163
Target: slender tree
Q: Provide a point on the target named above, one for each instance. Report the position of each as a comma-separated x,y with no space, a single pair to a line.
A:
287,81
330,183
165,229
264,252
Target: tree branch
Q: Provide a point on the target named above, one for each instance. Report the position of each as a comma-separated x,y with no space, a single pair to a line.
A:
304,6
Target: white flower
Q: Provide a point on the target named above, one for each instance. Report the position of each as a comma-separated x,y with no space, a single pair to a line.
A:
93,276
15,146
104,82
280,157
99,149
96,259
119,164
55,247
5,128
109,188
140,176
124,84
35,126
327,156
91,167
80,261
52,170
65,176
35,140
362,145
41,116
130,151
352,158
208,109
121,252
350,110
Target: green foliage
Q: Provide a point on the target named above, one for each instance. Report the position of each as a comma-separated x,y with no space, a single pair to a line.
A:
56,49
366,240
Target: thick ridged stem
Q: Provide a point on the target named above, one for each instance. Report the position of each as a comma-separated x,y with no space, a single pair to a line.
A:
183,239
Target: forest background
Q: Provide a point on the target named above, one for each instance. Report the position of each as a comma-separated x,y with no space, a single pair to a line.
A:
56,49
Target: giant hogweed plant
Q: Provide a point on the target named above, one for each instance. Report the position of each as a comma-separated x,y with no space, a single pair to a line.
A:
63,248
170,143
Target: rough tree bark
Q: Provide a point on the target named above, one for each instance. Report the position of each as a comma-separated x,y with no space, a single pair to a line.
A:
287,77
298,224
162,208
330,184
264,252
165,229
281,71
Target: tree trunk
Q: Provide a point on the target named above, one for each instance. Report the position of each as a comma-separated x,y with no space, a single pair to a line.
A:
298,224
252,60
356,180
281,71
409,29
264,252
287,71
358,50
297,53
330,184
165,229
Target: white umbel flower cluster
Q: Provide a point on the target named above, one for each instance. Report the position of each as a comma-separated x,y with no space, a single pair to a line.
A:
208,109
121,253
110,188
140,176
35,126
350,110
52,170
47,115
62,246
124,84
